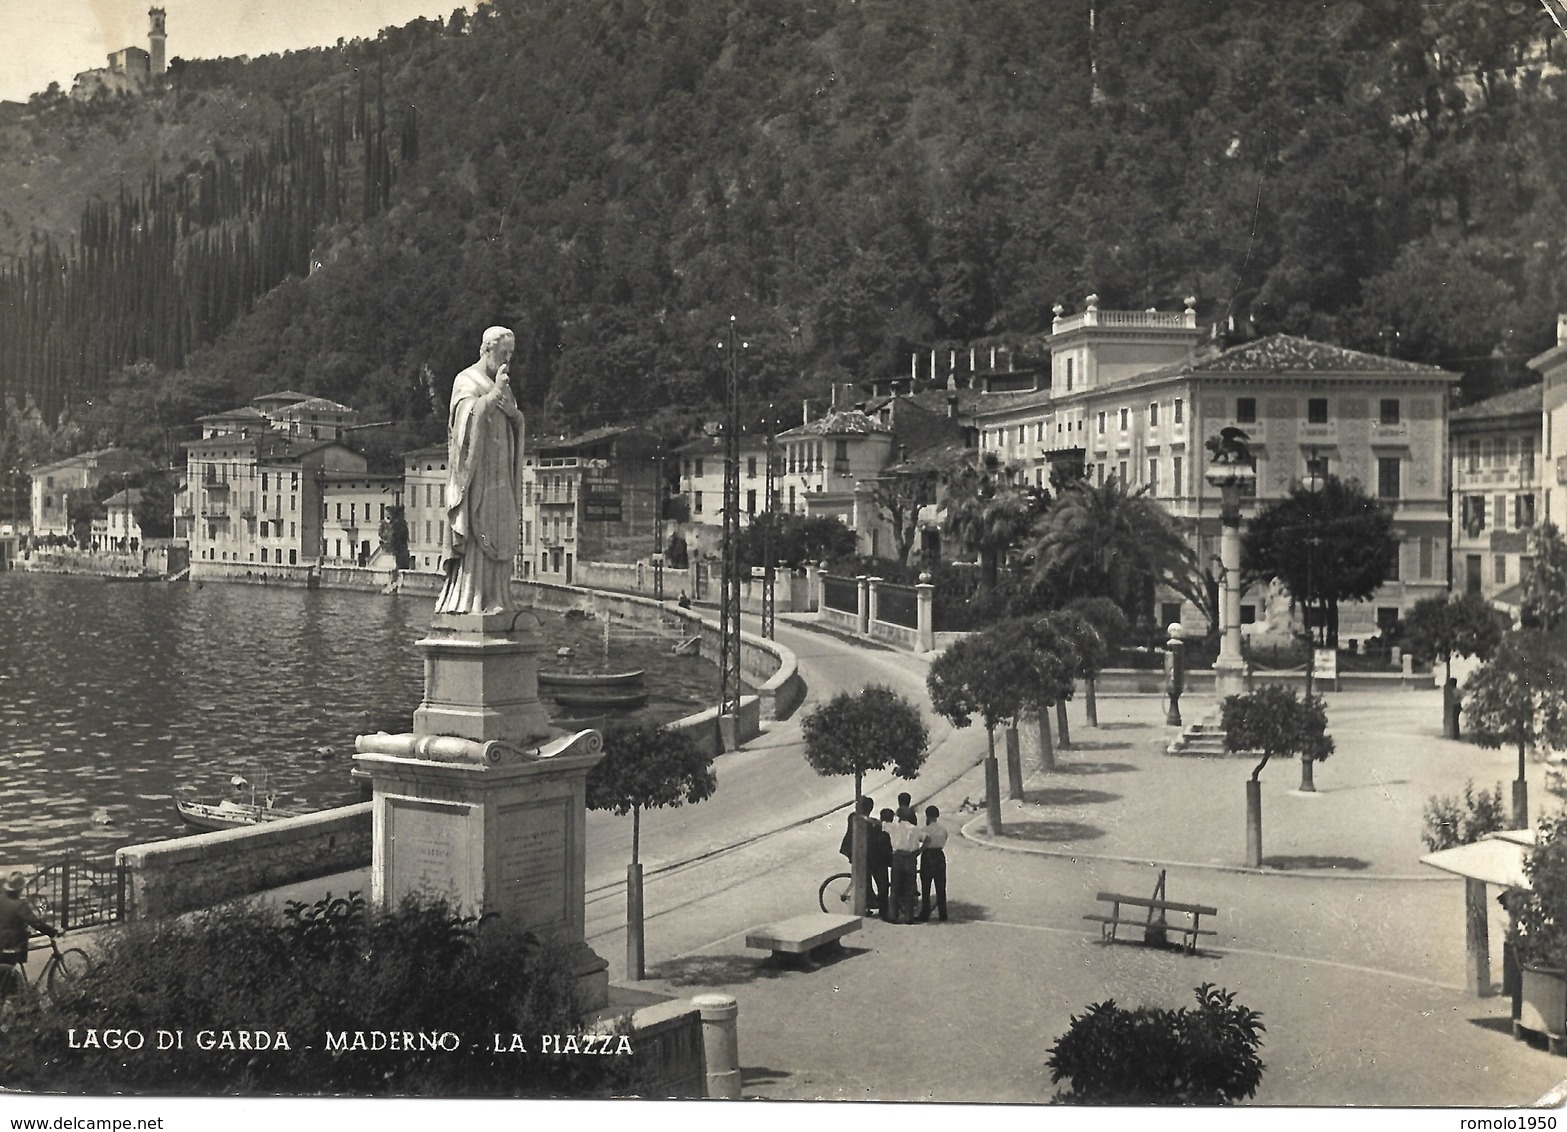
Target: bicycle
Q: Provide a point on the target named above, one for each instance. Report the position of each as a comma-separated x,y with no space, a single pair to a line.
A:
836,895
59,971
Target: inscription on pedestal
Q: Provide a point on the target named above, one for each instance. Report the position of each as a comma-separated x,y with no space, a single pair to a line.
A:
428,845
531,863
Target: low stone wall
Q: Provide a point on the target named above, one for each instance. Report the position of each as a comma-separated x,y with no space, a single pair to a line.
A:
667,1047
167,878
898,636
251,573
63,560
839,619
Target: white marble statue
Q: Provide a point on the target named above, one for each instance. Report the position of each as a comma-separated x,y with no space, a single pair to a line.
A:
483,483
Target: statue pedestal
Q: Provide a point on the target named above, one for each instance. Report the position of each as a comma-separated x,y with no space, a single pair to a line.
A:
1229,678
491,826
481,678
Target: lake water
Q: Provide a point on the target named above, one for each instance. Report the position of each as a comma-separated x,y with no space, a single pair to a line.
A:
116,698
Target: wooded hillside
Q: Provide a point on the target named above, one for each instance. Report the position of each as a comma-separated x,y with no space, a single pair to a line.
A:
853,180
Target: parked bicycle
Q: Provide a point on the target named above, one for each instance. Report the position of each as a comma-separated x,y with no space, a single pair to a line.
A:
836,894
60,970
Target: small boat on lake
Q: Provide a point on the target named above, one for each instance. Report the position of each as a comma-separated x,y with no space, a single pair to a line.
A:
597,699
632,679
234,813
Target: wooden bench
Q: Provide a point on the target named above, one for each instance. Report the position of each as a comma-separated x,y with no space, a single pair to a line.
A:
799,937
1153,918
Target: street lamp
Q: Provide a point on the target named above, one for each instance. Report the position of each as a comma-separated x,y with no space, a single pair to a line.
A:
1232,470
1316,479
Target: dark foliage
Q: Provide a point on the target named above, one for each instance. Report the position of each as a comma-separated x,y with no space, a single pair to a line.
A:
1328,546
1277,722
871,730
1380,176
1114,1056
325,968
1452,821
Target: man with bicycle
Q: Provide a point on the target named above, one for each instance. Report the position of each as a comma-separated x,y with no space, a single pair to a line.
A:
17,921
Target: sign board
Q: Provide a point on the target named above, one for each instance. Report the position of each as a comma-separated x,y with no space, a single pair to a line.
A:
601,505
1324,664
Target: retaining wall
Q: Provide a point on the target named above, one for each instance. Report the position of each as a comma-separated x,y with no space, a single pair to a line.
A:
187,873
770,665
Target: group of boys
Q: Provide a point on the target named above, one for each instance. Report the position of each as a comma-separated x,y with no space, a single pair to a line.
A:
899,849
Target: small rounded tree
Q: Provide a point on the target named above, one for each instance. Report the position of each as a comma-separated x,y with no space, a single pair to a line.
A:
646,767
1111,625
1054,660
1439,629
980,675
1516,699
1275,722
873,729
856,733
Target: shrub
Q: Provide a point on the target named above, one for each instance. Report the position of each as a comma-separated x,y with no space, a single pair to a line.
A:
1148,1056
1452,821
327,968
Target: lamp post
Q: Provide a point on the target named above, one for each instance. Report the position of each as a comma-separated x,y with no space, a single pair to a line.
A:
1231,470
1314,481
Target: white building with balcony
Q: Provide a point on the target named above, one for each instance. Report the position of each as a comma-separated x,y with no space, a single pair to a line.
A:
1132,397
1498,493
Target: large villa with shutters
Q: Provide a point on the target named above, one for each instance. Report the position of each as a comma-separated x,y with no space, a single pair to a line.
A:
1132,395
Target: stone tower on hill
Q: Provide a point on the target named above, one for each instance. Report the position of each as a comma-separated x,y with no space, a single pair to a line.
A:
156,37
130,69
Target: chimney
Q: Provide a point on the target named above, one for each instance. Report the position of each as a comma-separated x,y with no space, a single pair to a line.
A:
1561,330
914,370
933,365
847,400
805,410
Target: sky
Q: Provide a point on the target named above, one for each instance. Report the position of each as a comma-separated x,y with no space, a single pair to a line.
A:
51,40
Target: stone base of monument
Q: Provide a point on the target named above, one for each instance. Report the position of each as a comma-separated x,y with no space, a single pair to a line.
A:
481,678
492,826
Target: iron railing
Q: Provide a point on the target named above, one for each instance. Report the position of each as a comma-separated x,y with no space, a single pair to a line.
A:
79,894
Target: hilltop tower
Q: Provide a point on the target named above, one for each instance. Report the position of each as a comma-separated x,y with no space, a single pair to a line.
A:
156,39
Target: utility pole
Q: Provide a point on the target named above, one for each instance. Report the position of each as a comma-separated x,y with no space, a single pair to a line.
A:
658,522
769,517
729,599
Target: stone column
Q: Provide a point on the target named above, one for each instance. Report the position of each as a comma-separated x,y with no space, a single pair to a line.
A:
925,605
1229,670
862,621
872,603
720,1044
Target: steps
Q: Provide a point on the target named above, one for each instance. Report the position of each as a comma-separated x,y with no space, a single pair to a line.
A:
1203,738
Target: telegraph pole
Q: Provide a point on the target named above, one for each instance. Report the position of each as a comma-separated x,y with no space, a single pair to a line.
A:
729,600
769,517
658,523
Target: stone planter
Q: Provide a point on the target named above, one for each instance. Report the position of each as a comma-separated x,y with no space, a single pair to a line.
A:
1542,1004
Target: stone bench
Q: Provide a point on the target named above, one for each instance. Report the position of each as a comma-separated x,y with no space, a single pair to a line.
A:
799,937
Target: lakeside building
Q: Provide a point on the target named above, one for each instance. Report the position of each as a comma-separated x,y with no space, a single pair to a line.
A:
591,497
55,483
121,531
1497,493
1552,366
700,483
424,505
259,477
1132,397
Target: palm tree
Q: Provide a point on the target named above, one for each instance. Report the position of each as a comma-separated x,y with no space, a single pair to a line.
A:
987,511
1113,542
